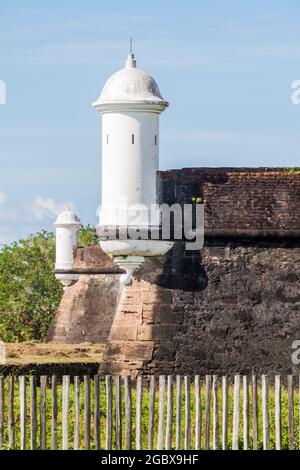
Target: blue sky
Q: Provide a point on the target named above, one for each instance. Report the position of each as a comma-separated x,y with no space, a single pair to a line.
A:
226,67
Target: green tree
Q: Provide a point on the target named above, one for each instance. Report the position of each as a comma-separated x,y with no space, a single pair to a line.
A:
87,236
29,292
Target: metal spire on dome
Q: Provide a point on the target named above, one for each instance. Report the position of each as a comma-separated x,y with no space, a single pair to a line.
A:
130,61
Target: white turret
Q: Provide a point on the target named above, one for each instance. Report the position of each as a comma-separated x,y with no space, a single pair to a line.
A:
66,227
130,103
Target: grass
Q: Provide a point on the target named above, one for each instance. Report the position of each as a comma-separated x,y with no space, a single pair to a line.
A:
145,405
34,352
292,171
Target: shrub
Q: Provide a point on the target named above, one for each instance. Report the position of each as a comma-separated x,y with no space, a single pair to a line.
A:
29,292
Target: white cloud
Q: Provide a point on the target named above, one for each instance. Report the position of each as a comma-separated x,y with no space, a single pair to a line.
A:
19,220
3,198
48,208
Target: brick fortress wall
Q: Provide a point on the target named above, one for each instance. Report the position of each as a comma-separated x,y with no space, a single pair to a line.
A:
235,305
87,308
238,202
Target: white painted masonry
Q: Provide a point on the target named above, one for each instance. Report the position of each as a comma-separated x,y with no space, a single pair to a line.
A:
130,103
129,165
66,227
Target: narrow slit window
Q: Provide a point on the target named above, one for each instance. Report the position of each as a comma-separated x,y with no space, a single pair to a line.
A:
107,139
132,138
155,140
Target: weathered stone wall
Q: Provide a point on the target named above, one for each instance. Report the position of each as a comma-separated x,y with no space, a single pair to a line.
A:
238,202
87,310
233,307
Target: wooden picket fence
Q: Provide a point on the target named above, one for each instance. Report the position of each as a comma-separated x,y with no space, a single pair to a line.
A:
160,412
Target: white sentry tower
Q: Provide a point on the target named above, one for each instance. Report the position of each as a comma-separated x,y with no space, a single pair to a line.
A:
130,103
66,226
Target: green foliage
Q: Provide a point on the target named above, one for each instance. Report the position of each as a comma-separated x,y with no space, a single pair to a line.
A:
87,236
198,200
29,292
292,171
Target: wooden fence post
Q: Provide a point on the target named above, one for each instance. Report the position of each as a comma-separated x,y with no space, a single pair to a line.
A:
87,411
208,385
22,395
278,421
265,412
178,411
54,413
290,381
161,412
76,443
43,391
118,433
198,413
245,413
11,413
97,412
254,412
33,413
108,381
224,412
236,413
151,412
187,415
215,413
169,422
128,413
65,411
139,398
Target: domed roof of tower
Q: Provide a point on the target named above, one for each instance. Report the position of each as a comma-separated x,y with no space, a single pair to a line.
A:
130,85
67,217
